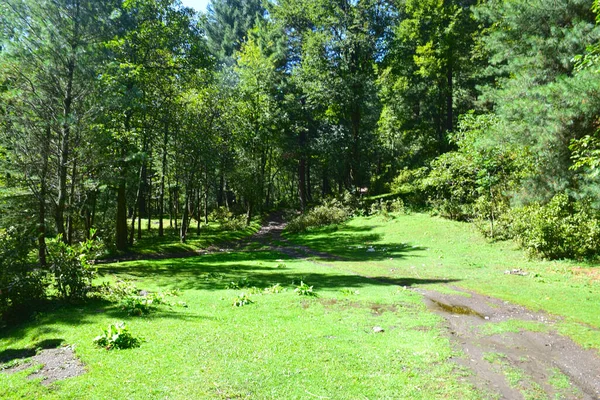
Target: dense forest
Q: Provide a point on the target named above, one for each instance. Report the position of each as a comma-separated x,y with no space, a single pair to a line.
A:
117,112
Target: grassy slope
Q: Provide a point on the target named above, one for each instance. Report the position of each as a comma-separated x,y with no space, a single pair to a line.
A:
417,247
287,346
282,346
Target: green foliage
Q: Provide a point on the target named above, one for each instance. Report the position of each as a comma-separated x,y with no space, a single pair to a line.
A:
227,220
562,228
349,292
332,212
117,336
242,300
304,290
22,284
71,267
137,305
387,207
274,289
475,181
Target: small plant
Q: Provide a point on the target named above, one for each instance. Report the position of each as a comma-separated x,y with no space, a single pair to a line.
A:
349,292
241,284
254,290
281,266
276,288
304,290
136,305
242,300
117,336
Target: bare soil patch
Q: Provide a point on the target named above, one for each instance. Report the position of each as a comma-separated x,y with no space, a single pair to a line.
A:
538,356
57,364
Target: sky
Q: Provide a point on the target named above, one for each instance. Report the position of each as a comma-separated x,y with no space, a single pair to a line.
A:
199,5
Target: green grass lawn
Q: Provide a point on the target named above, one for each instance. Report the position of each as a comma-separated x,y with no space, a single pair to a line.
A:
281,346
300,347
418,247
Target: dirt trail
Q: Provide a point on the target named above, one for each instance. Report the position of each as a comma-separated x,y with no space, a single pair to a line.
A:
513,364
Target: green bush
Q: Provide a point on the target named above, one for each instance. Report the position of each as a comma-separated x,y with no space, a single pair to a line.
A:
73,271
117,336
563,228
387,207
22,284
227,220
332,212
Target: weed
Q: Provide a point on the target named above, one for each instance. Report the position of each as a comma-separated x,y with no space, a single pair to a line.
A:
117,336
241,284
276,288
304,290
349,292
136,305
242,300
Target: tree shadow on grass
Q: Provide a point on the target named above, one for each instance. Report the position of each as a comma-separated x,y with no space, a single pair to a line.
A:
234,270
8,355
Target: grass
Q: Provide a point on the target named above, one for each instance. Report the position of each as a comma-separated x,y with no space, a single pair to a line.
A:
420,248
280,346
208,235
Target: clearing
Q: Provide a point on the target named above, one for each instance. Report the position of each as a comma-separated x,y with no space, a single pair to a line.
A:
409,307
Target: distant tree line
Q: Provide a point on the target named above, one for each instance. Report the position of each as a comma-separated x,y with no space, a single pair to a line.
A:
117,112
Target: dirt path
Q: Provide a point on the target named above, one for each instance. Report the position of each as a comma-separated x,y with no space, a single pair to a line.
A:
511,352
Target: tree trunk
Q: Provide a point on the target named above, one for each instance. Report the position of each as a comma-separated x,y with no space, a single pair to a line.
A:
136,206
42,200
71,202
63,157
185,218
449,98
122,215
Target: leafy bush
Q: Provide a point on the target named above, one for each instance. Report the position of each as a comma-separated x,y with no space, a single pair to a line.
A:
563,228
72,270
242,300
409,184
117,336
227,220
304,290
387,207
22,284
330,213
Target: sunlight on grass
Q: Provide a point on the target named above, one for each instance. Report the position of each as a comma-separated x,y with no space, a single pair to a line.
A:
281,346
418,247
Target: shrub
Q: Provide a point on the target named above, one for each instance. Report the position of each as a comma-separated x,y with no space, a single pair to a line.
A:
563,228
227,220
72,270
387,207
117,336
330,213
22,285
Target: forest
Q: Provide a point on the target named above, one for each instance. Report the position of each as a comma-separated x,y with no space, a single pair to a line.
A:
246,196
